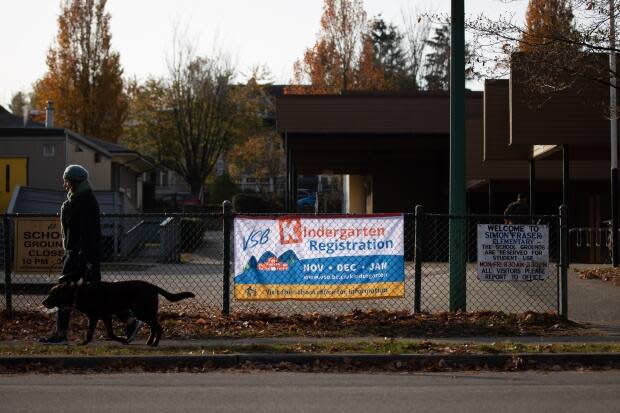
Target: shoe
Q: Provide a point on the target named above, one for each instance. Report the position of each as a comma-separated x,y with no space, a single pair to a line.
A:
54,339
131,331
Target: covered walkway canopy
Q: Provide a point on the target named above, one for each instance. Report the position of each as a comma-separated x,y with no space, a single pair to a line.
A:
394,147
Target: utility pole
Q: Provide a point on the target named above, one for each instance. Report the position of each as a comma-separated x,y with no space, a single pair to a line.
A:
613,116
458,221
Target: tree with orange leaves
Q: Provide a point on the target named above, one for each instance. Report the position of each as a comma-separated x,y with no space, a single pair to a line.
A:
259,156
546,21
342,59
84,76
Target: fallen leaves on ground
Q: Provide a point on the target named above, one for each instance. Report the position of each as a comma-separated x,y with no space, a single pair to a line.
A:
601,273
358,323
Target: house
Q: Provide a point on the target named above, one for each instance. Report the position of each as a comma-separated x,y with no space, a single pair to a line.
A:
34,155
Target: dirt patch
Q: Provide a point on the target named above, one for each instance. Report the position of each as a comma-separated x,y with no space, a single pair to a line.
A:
32,325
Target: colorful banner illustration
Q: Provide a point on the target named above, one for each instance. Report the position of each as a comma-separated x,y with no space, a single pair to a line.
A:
513,252
319,257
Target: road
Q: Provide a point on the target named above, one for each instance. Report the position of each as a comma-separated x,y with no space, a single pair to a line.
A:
308,392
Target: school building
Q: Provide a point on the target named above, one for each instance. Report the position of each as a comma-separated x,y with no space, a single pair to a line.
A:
394,151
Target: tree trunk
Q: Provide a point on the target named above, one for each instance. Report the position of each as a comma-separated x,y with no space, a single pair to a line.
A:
195,185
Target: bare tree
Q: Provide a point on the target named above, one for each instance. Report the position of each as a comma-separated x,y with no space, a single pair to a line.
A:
203,112
416,30
191,117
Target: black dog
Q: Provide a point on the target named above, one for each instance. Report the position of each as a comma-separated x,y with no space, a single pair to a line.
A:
101,300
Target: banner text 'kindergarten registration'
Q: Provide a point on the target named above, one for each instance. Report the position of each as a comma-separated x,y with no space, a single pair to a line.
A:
319,258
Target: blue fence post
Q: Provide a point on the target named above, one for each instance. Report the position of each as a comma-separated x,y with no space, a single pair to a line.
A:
8,290
563,262
417,283
227,221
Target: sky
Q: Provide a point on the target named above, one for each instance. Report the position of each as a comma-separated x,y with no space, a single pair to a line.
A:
274,33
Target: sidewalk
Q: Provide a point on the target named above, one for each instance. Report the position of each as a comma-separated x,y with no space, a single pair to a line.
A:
610,339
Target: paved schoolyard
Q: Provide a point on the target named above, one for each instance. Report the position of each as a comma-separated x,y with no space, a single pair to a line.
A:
593,301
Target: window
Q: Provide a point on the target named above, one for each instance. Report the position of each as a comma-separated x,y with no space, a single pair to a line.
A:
49,150
97,157
78,149
163,179
7,175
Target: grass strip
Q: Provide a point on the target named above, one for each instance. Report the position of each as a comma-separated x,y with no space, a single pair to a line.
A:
386,346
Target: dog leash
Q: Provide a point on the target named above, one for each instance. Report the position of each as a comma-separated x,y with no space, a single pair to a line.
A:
49,272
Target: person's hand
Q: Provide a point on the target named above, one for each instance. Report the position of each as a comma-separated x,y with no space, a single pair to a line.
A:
71,277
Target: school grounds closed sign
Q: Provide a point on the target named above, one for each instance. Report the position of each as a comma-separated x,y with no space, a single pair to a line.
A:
513,252
319,258
38,245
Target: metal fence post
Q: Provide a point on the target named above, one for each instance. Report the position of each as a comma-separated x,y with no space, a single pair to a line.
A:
417,297
563,262
227,220
457,200
8,293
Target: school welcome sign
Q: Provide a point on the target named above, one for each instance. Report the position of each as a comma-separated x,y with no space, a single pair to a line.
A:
318,257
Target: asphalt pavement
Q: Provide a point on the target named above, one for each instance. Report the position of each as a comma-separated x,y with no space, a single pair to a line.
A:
593,301
258,392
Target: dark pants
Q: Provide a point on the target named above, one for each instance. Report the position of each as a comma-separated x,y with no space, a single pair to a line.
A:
93,275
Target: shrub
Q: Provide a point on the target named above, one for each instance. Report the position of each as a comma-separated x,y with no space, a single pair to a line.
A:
247,203
222,188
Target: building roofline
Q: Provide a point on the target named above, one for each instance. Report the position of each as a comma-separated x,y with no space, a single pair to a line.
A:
382,95
88,142
30,131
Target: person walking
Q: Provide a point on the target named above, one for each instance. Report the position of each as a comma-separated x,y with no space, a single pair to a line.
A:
82,242
518,211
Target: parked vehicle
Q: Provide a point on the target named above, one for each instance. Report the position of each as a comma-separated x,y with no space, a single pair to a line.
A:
307,200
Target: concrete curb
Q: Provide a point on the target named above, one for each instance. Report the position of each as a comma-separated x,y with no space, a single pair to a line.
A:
403,362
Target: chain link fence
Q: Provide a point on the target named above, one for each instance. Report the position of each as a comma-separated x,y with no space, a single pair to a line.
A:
481,294
178,252
187,252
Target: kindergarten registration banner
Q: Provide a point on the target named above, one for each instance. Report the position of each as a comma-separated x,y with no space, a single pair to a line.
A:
318,257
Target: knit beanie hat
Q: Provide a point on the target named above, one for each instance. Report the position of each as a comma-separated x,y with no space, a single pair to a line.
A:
75,173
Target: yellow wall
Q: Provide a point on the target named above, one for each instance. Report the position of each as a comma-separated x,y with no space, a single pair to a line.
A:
15,170
357,194
100,173
369,194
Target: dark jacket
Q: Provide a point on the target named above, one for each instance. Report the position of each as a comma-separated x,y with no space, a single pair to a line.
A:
81,230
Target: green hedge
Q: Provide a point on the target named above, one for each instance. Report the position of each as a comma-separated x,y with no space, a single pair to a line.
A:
247,203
